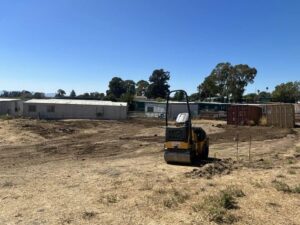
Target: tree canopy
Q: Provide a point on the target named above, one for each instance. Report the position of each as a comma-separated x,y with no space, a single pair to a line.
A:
60,93
120,89
287,92
179,96
39,95
72,94
141,87
227,81
158,87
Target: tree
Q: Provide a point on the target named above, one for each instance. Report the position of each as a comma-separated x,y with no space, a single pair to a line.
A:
179,96
287,92
60,93
227,80
72,94
208,88
5,94
26,94
101,96
158,87
194,97
251,97
141,87
129,86
264,96
39,95
116,88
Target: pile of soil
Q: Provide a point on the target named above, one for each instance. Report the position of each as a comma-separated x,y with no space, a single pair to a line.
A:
212,168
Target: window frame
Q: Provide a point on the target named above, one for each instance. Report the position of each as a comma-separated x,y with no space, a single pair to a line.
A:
32,108
50,108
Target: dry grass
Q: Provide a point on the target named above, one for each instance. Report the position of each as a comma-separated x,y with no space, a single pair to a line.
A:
218,206
87,215
292,172
7,184
126,181
283,187
263,121
176,197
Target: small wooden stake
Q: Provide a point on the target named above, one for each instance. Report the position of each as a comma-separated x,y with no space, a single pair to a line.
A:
237,147
250,148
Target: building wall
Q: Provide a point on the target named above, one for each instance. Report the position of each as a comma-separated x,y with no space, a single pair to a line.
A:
159,109
68,111
297,112
13,108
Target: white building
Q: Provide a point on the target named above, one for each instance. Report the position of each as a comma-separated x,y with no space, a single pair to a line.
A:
74,109
13,107
158,109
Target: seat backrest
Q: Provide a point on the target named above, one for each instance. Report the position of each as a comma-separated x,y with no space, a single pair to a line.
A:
182,118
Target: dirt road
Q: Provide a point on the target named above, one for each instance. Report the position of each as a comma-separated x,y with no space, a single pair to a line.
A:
112,172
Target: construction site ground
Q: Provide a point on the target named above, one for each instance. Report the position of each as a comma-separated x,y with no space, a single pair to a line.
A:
113,172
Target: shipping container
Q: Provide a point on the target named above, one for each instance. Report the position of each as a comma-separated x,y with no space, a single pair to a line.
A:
280,115
243,115
213,110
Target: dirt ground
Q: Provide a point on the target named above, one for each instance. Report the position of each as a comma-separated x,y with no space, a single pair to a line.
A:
113,172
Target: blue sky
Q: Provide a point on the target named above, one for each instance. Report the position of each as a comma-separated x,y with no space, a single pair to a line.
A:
81,44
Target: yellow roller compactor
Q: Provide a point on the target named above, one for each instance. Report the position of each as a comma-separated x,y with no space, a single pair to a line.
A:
184,143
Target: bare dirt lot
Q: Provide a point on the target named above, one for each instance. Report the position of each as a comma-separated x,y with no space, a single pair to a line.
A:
113,172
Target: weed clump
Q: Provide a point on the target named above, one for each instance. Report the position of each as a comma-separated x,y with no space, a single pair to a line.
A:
7,184
177,197
88,215
218,206
283,187
111,199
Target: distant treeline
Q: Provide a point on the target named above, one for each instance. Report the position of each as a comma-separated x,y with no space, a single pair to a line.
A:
226,83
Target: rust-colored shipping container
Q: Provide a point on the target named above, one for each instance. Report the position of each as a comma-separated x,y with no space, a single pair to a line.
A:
280,115
243,115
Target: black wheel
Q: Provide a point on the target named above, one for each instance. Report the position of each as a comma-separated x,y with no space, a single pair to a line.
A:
194,158
206,152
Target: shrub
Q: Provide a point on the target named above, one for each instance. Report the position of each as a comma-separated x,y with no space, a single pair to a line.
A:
263,121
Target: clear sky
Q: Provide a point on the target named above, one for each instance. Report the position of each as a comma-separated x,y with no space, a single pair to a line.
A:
81,44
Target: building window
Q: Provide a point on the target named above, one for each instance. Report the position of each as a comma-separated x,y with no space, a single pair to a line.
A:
50,108
150,109
32,108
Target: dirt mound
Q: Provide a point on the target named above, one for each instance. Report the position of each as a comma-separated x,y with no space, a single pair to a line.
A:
212,168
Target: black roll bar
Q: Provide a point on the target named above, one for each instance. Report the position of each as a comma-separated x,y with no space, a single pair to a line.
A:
187,102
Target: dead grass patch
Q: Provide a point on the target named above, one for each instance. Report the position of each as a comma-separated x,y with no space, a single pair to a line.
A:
147,186
111,199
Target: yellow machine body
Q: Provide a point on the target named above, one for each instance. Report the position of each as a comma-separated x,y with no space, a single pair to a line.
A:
191,151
